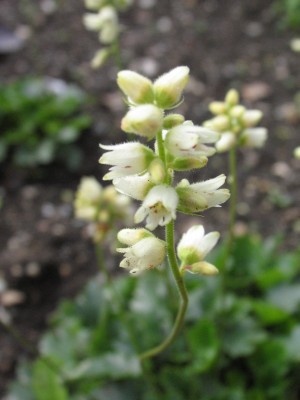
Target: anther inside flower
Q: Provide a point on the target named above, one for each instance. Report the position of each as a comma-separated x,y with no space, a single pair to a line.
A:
159,207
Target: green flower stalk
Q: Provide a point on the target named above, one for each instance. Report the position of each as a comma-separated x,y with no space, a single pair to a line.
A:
147,175
237,128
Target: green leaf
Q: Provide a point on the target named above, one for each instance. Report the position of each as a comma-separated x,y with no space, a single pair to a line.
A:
285,297
268,313
111,365
291,344
240,337
46,383
204,345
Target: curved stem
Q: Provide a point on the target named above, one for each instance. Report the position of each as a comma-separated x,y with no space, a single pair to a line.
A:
183,295
117,53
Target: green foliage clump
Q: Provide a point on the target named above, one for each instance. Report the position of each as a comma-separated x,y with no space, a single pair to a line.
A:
239,344
40,122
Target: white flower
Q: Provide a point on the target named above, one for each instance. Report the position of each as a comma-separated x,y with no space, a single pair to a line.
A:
252,117
199,196
254,137
87,199
93,21
159,207
143,255
194,247
297,153
126,159
189,141
168,87
227,142
100,58
138,88
135,186
144,120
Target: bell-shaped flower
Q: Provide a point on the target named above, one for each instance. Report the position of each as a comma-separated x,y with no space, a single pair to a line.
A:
254,137
145,254
159,207
88,198
110,25
135,186
126,159
144,120
136,87
172,120
168,87
200,196
194,247
189,142
252,117
93,21
232,97
227,141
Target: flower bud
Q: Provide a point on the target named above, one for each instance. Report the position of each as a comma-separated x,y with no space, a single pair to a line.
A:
138,88
297,153
100,58
157,171
254,137
232,97
252,117
172,120
92,21
132,236
168,88
188,163
145,120
237,111
135,186
227,142
219,123
202,268
217,107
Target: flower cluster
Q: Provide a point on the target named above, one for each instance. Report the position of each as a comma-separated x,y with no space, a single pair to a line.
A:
102,207
236,124
146,174
104,20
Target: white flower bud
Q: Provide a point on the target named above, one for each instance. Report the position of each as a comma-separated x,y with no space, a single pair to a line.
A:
145,120
157,171
159,207
219,123
138,88
168,87
194,247
92,22
202,268
200,196
132,236
297,153
237,111
126,159
227,142
254,137
172,120
217,107
87,198
252,117
100,58
232,97
146,254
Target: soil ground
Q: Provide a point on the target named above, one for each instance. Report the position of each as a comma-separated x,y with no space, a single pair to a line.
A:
45,253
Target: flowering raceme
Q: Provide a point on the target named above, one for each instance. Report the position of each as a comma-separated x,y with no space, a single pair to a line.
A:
147,175
236,124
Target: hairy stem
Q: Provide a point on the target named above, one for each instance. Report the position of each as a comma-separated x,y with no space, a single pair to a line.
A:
183,295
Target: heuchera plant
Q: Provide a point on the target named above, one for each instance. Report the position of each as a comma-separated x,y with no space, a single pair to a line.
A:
147,174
